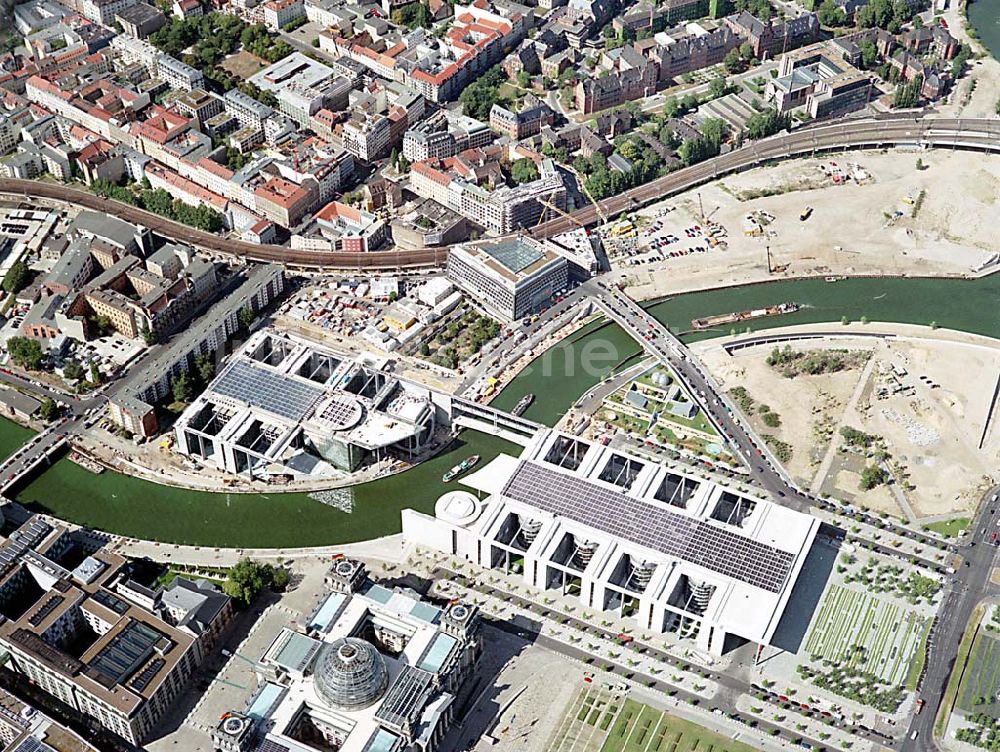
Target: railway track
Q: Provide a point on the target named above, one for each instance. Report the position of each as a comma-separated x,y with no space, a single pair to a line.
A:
980,134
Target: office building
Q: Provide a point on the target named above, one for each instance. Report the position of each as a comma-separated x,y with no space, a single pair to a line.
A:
285,407
509,277
82,635
676,553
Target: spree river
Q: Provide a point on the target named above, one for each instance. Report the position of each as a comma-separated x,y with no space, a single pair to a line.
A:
984,16
138,508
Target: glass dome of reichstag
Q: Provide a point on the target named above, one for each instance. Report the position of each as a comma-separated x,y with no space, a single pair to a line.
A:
350,674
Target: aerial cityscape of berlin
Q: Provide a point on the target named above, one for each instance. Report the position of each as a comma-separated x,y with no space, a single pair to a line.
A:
499,375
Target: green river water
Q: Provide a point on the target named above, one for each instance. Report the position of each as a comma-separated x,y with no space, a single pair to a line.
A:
984,16
138,508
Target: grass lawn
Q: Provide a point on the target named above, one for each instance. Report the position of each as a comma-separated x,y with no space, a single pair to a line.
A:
698,422
917,665
948,528
959,671
640,728
889,633
982,677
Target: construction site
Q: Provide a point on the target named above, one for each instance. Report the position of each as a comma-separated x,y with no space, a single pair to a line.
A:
901,212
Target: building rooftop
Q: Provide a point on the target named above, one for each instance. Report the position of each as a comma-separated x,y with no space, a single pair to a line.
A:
512,259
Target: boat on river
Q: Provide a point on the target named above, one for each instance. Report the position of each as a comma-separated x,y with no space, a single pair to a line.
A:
522,404
734,318
460,468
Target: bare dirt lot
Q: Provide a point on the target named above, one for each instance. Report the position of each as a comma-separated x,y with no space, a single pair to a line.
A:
897,219
925,401
808,407
242,64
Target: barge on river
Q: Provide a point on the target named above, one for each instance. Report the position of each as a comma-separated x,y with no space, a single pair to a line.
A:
735,318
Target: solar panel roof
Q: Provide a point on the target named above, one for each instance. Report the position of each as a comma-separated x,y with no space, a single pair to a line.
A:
263,388
515,255
613,512
406,697
126,651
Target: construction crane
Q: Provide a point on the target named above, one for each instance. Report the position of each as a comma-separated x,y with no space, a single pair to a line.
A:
549,205
583,187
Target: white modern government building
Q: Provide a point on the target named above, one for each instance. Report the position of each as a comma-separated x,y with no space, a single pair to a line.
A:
283,406
677,553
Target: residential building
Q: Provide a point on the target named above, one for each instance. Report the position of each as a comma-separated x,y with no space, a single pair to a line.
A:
179,75
199,105
529,120
284,202
366,136
277,13
248,111
768,40
103,11
444,134
141,19
349,229
455,182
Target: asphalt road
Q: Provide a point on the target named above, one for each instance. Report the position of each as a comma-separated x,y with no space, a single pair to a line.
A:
970,584
730,687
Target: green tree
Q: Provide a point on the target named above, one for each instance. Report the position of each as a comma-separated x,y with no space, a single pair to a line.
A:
48,409
908,94
204,364
523,171
412,16
73,371
182,388
869,55
718,87
873,476
25,352
767,123
17,277
479,96
246,317
831,14
247,578
280,578
732,62
95,373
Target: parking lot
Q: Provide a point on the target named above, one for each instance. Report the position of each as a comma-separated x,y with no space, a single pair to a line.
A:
662,237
